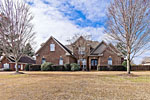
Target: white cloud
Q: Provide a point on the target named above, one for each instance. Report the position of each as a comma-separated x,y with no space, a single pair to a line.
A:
49,21
93,9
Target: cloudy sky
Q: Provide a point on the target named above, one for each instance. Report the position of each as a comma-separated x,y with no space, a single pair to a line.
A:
64,18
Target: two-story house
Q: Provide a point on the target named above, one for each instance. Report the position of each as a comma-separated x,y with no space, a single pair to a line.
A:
82,51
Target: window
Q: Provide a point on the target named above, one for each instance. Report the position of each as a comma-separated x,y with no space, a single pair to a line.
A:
21,67
6,66
84,62
43,60
52,47
109,61
81,50
61,61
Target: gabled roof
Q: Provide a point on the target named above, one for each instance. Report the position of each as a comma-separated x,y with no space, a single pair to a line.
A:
101,51
93,44
60,44
104,47
23,59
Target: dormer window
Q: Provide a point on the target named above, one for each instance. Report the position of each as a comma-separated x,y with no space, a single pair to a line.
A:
52,47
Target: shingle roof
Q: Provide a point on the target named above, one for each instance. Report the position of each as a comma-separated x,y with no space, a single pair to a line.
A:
23,59
93,44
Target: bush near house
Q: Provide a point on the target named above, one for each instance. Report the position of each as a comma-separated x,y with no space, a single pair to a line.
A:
27,67
47,66
75,67
112,68
35,68
124,63
7,69
67,67
58,68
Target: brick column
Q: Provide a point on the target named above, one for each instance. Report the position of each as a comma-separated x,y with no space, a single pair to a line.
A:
99,62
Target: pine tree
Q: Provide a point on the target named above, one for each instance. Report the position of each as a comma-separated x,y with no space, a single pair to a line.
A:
28,50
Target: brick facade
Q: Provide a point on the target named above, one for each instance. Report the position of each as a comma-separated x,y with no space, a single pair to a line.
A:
71,54
54,56
11,64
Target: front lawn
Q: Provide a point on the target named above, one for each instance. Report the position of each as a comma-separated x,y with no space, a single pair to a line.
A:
75,86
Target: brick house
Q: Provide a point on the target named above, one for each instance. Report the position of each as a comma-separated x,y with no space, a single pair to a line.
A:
82,51
55,52
10,63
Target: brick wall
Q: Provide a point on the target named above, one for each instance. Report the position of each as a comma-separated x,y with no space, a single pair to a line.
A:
116,60
52,56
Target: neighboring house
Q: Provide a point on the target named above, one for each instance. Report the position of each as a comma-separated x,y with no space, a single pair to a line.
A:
10,63
82,51
146,61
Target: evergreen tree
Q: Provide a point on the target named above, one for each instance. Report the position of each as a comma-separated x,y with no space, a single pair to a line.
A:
28,50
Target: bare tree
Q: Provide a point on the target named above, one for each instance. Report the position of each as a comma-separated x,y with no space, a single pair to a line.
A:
15,28
129,23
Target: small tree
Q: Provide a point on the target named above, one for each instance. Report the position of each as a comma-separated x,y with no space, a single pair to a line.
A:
15,28
129,23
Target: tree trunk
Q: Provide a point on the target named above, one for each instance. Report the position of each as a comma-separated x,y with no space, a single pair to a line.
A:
17,70
128,63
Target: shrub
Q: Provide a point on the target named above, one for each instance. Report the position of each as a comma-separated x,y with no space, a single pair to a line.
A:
7,69
58,68
75,67
124,63
47,66
27,67
67,67
35,68
112,68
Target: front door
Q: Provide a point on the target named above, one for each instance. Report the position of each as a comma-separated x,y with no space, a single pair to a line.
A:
94,63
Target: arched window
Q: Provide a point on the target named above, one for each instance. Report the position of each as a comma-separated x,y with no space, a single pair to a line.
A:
109,60
61,61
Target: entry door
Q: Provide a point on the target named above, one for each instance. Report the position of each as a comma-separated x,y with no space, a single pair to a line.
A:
94,63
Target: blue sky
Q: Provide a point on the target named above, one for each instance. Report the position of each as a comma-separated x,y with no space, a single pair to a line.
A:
64,18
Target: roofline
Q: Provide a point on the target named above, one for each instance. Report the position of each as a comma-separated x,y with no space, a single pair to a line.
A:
43,45
19,59
116,49
51,37
98,46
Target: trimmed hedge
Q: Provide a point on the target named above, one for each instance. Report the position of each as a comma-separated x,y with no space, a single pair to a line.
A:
58,68
35,68
7,69
47,66
112,68
67,67
75,67
27,67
